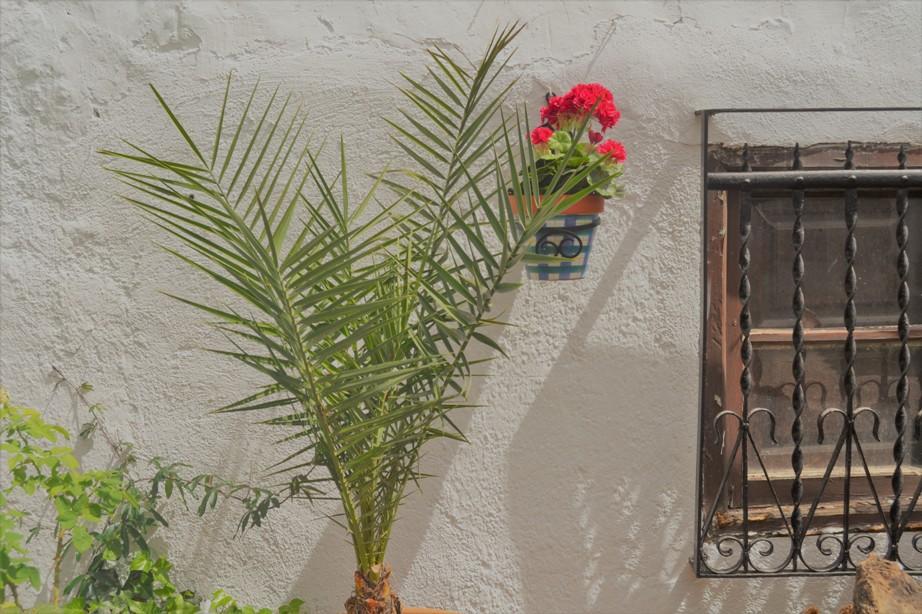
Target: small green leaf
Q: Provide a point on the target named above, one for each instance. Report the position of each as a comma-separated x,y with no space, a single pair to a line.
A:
141,562
508,286
87,429
30,575
484,339
81,538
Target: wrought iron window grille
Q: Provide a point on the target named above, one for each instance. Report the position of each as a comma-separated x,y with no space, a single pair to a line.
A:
826,509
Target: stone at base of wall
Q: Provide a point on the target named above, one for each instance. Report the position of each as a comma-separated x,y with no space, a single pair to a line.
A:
882,587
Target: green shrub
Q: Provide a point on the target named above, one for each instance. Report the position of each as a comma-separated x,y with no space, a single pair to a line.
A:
103,517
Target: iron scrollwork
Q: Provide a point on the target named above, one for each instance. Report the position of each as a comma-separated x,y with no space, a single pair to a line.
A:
568,245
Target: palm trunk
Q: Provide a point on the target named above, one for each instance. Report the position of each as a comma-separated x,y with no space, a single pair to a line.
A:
373,596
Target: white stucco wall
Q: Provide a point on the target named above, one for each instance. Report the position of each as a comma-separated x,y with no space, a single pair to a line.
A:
576,493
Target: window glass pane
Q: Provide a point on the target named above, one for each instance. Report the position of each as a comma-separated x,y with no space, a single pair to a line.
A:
824,260
877,371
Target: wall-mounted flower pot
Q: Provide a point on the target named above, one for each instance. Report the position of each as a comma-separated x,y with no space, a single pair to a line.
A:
568,236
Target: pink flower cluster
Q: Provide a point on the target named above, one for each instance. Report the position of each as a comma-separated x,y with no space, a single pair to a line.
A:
574,107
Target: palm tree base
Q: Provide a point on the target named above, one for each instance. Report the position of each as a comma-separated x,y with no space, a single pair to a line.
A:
374,597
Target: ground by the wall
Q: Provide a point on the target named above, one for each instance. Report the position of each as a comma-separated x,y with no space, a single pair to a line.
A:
576,493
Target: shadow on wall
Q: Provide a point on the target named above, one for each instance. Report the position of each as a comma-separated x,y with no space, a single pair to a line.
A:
607,518
601,486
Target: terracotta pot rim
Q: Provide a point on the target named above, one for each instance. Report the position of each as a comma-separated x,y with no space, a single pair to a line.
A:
590,204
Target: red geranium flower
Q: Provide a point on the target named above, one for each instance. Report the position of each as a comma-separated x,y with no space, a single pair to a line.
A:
586,95
576,104
583,96
614,149
594,137
553,110
541,135
607,114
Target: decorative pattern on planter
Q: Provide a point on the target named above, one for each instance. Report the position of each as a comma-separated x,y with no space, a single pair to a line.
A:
567,236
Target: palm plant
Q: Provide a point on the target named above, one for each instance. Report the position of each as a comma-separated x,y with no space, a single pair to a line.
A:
361,311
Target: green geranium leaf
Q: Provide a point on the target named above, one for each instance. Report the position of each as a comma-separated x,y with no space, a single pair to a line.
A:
560,142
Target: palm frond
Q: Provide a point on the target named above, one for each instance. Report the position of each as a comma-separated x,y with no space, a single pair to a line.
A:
359,319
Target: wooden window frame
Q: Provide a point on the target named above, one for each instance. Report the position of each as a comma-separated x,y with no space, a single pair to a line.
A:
722,336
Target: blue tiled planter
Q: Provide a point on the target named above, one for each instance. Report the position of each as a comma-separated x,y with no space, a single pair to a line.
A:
567,236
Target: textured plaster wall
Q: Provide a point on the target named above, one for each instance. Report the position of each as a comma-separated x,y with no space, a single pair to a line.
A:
576,493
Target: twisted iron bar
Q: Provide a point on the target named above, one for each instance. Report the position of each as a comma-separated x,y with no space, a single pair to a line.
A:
745,295
798,367
902,389
851,348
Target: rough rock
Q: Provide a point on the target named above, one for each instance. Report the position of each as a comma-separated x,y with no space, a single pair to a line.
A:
882,587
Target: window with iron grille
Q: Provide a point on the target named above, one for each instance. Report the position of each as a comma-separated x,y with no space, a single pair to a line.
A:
810,451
